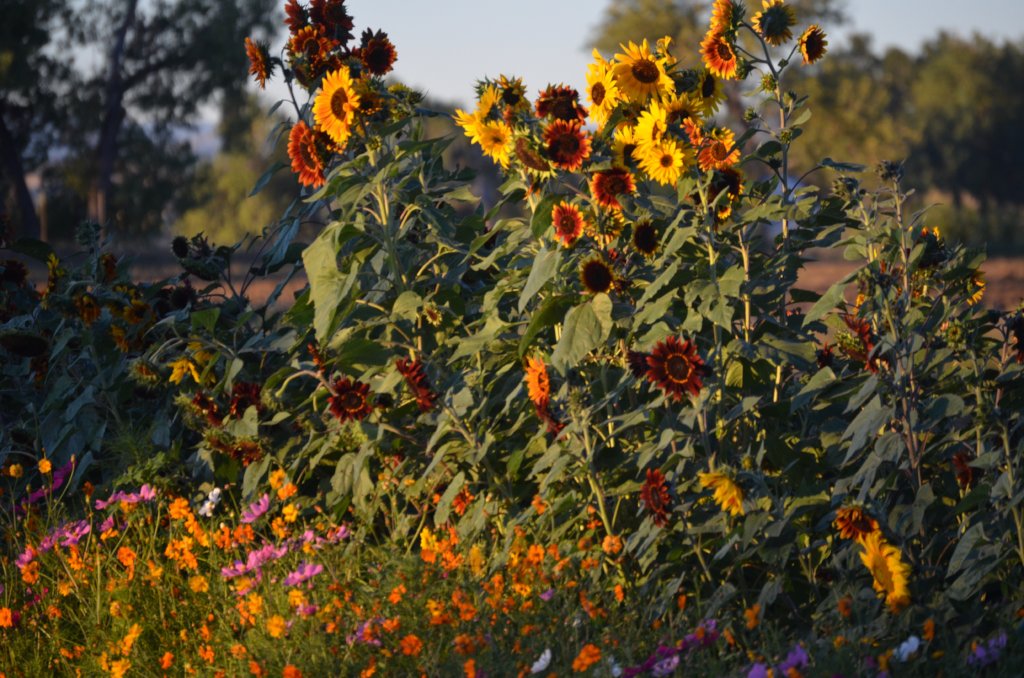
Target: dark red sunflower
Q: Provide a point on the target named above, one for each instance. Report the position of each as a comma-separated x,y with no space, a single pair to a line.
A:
965,476
376,52
333,17
416,378
568,222
244,395
607,185
296,17
596,275
567,144
676,368
656,498
260,65
637,361
867,340
559,102
207,406
349,401
729,180
645,238
825,356
554,426
306,159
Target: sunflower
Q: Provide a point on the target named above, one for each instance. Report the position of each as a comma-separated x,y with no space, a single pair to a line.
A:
310,44
728,495
333,16
652,124
602,90
964,471
568,223
376,52
718,150
335,107
645,238
513,96
538,386
729,180
559,102
813,44
260,65
567,144
640,74
679,109
854,522
606,228
774,22
306,160
533,161
975,288
719,55
624,143
607,185
349,399
664,161
596,275
725,15
676,368
296,16
495,139
708,95
654,494
416,378
891,575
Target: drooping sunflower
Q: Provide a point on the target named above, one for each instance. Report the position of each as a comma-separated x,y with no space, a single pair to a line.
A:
596,275
306,160
560,102
568,223
854,522
260,65
602,90
654,494
645,238
416,378
676,368
774,21
296,16
664,161
719,55
890,574
709,94
813,44
533,161
349,400
641,74
376,52
495,139
727,494
607,185
679,109
567,144
538,385
718,150
725,15
335,107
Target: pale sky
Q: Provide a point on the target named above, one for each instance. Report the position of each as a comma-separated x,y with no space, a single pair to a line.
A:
444,46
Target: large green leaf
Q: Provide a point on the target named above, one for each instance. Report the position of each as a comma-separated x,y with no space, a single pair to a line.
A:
586,327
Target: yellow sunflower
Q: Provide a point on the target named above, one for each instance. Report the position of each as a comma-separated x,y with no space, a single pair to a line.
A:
813,44
335,107
623,144
652,125
664,161
725,14
679,108
728,495
774,22
708,95
719,55
640,74
495,139
891,575
473,124
602,90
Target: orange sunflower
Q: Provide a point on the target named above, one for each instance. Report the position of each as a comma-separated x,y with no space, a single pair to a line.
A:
376,52
676,368
560,103
607,185
854,522
416,378
719,55
568,222
813,44
538,386
306,159
596,275
567,144
725,14
718,150
311,44
260,66
335,107
349,400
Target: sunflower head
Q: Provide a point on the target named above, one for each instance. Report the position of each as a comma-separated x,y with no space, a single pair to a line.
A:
567,144
602,90
727,493
260,65
854,522
719,55
707,93
416,378
890,574
306,158
538,386
568,223
333,18
596,275
335,107
774,21
640,74
726,15
664,162
729,180
376,52
495,139
513,96
607,185
676,368
813,44
645,237
656,498
349,400
559,102
718,150
296,16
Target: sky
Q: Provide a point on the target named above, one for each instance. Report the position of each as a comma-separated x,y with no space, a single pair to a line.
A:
445,46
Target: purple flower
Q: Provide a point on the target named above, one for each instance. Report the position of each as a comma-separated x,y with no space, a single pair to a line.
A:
306,610
304,573
361,635
988,652
256,509
547,595
665,666
75,532
796,659
758,670
146,493
107,524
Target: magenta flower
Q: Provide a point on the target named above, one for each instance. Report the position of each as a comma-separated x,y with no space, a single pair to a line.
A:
303,574
256,509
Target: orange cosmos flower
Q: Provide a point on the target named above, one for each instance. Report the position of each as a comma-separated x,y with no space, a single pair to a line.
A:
753,615
411,645
588,656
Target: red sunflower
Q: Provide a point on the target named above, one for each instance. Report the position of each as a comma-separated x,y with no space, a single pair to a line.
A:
560,103
260,66
567,144
676,368
414,375
568,222
306,159
333,17
243,395
349,400
608,185
296,16
656,498
376,52
597,276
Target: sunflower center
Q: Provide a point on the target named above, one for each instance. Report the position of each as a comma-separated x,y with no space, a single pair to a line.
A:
339,100
351,401
597,277
310,46
597,93
724,51
566,146
707,88
719,151
510,97
677,368
645,70
666,160
308,156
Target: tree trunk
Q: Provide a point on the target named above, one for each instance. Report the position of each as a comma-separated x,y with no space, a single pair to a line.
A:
15,171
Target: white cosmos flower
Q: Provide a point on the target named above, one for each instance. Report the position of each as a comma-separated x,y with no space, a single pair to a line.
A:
542,662
908,648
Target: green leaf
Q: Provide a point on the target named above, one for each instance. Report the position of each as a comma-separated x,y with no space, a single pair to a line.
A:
37,249
552,310
586,327
266,177
545,265
205,319
826,303
542,215
326,283
865,426
407,305
964,548
444,507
